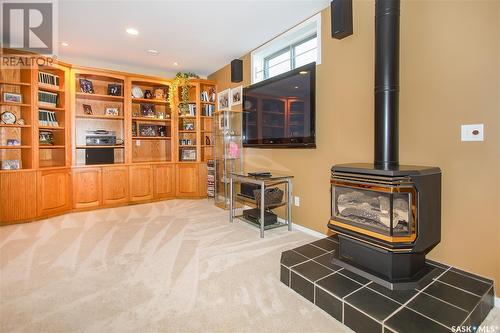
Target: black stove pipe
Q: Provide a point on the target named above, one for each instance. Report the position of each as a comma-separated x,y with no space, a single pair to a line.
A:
387,83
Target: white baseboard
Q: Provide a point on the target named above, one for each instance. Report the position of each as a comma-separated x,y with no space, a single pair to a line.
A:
308,231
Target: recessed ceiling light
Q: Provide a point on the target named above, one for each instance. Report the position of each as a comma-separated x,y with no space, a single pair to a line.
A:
296,87
303,72
176,63
153,52
64,44
132,31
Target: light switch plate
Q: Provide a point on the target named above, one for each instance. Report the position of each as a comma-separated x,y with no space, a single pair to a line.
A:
474,132
296,201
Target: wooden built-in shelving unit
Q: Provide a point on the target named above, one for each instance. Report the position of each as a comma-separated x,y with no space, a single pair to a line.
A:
54,178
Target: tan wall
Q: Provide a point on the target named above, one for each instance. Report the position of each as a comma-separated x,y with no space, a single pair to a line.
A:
450,75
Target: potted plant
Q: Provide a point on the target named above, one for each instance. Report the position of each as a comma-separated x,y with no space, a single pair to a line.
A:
181,80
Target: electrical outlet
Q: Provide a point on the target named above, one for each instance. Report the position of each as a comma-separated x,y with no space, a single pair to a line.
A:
296,201
137,143
473,132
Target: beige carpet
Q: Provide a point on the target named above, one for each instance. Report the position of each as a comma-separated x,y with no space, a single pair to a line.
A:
173,266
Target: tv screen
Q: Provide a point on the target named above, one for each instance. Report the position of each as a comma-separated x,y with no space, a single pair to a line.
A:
280,112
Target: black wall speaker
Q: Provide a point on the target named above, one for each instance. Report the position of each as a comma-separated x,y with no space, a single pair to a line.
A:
236,70
341,18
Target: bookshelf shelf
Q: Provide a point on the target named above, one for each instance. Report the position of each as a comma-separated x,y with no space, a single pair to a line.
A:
14,83
101,117
152,115
51,146
15,147
15,104
51,88
151,138
51,108
99,97
148,100
14,126
145,119
100,147
55,128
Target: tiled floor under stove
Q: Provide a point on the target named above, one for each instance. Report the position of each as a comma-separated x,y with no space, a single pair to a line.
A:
452,298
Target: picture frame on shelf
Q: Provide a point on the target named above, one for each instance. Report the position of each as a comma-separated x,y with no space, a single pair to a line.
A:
188,126
223,100
162,115
188,154
13,142
8,118
162,130
112,111
148,130
137,92
46,138
147,110
223,121
134,128
11,164
86,86
12,97
87,109
160,93
114,89
236,96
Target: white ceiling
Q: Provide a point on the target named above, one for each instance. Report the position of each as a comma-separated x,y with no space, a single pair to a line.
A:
202,36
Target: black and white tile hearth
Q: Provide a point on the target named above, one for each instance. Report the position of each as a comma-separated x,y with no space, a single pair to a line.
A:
451,298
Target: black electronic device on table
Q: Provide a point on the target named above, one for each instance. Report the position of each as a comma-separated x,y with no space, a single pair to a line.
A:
253,215
260,174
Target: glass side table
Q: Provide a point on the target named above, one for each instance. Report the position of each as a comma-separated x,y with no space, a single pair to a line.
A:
264,182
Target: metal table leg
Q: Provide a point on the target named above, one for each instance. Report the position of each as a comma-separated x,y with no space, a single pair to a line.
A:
289,204
262,209
230,199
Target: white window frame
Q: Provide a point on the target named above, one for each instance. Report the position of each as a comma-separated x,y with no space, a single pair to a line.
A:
289,39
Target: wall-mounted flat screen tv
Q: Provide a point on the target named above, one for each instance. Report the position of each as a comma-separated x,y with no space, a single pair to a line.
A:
280,112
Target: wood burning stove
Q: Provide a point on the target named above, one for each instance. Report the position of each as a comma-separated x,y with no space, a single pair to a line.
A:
388,216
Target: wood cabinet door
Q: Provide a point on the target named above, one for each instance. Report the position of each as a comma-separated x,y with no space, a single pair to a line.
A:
187,180
17,196
115,186
87,188
141,182
164,181
54,191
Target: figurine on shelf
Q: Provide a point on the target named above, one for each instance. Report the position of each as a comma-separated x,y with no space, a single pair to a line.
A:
148,94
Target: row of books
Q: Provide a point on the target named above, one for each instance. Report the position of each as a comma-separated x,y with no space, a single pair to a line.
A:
48,98
47,118
211,178
48,78
192,110
207,110
208,97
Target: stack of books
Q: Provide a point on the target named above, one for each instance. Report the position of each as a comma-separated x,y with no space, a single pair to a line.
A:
47,99
49,79
47,118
